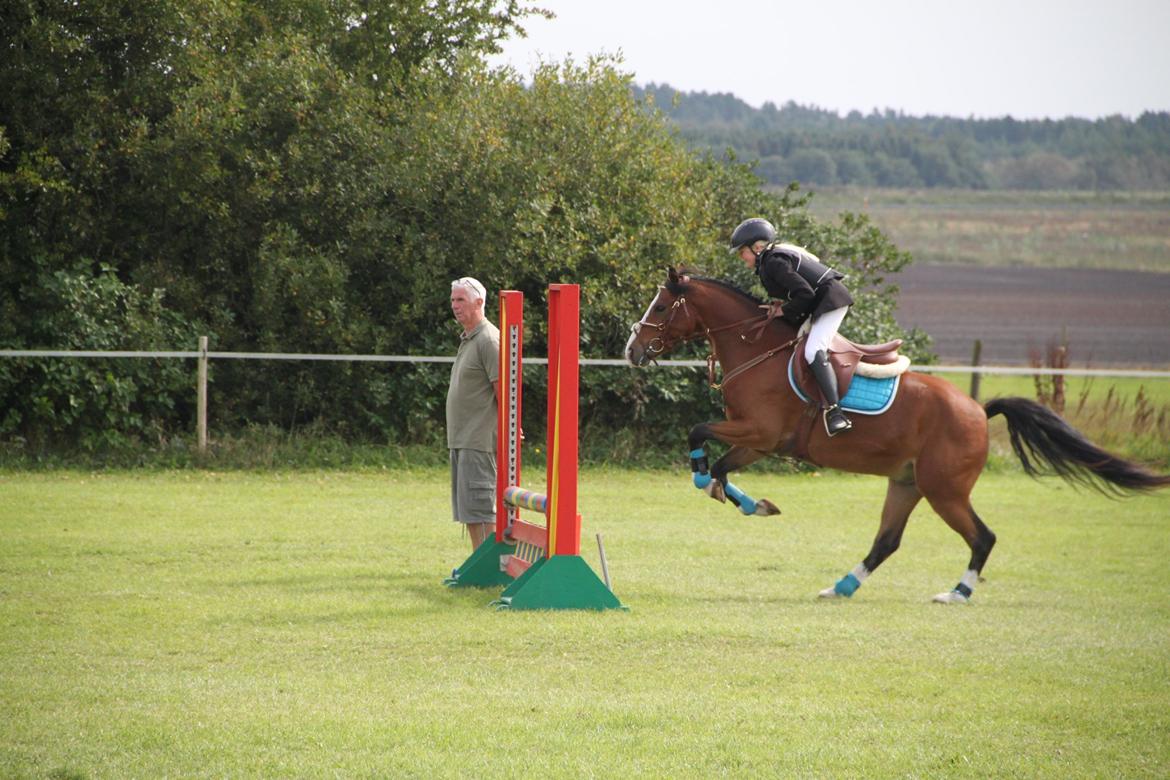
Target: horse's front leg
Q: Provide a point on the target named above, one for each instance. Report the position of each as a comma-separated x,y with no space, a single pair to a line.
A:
713,480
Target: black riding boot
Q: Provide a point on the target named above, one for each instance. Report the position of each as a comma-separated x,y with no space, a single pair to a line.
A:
835,419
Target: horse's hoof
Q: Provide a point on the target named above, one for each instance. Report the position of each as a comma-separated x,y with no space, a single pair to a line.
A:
951,597
830,593
765,508
714,488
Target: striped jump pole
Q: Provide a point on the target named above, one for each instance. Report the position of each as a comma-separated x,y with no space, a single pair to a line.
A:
509,417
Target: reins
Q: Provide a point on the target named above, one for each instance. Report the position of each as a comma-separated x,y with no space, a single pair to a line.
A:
727,377
749,336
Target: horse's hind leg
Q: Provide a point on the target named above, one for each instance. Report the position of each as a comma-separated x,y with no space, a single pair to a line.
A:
959,515
902,496
946,473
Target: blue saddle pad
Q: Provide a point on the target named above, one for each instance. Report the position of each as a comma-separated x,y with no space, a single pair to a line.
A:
865,396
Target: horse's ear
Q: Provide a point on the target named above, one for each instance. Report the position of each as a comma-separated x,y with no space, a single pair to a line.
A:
672,274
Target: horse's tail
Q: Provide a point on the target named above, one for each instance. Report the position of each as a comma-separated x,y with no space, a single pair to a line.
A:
1040,435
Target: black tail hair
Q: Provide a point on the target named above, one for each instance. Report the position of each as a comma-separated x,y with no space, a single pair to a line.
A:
1040,435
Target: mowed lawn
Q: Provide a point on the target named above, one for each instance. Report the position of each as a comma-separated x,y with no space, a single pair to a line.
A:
294,625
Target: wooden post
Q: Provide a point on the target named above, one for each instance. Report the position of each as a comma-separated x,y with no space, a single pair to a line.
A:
604,564
201,397
976,377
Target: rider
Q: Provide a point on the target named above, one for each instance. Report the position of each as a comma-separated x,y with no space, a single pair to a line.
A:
805,287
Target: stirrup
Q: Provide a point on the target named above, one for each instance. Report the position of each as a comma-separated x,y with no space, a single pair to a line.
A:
839,424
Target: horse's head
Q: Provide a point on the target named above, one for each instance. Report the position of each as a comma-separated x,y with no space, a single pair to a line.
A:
668,322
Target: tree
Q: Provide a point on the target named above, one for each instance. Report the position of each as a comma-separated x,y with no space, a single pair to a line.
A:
211,158
275,175
776,170
813,166
935,167
894,171
853,167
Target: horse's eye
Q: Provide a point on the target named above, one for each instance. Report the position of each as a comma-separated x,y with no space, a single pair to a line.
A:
660,308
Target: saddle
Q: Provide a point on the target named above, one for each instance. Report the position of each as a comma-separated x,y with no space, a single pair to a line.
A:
878,361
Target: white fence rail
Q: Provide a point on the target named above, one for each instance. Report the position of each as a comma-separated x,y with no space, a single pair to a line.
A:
203,355
215,355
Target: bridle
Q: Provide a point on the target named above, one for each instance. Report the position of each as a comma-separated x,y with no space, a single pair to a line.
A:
656,346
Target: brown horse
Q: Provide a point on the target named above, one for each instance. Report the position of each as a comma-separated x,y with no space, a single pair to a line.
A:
932,441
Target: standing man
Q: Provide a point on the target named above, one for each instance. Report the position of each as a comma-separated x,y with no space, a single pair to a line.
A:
471,412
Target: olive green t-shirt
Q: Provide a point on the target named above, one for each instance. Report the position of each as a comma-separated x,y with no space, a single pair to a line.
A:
471,401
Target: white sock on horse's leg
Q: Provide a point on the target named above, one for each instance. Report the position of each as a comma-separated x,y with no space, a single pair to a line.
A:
967,582
961,594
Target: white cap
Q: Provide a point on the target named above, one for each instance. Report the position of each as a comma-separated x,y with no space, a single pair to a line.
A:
472,286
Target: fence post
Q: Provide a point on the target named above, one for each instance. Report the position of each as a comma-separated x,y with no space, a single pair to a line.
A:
201,397
976,377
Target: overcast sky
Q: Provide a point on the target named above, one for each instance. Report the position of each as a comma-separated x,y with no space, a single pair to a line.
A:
1026,58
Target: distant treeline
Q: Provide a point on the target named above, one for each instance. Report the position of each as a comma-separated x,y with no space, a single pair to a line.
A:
891,149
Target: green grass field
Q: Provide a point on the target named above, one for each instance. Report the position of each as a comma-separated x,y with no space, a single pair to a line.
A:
997,227
293,625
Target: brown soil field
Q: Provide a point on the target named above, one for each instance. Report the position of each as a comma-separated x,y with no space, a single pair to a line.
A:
1111,318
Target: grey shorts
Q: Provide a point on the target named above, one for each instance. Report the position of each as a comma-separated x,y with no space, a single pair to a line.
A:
473,486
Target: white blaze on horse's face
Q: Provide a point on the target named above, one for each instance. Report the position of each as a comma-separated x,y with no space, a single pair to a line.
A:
636,353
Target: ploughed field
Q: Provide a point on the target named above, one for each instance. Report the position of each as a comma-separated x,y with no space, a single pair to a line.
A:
1109,318
992,265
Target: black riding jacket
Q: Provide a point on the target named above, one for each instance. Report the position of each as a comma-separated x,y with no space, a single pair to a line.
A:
805,285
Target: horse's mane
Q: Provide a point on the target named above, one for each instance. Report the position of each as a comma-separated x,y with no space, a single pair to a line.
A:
677,288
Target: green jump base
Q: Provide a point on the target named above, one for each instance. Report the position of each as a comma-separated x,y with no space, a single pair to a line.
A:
559,582
482,569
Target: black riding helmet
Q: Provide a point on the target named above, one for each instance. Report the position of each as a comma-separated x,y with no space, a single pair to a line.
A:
750,231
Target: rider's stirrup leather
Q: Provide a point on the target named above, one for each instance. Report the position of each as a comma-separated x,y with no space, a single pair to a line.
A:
835,419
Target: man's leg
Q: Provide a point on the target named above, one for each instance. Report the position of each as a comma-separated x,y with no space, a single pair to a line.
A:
475,486
479,532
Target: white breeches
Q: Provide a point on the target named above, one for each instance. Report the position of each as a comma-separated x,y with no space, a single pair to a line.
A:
821,332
